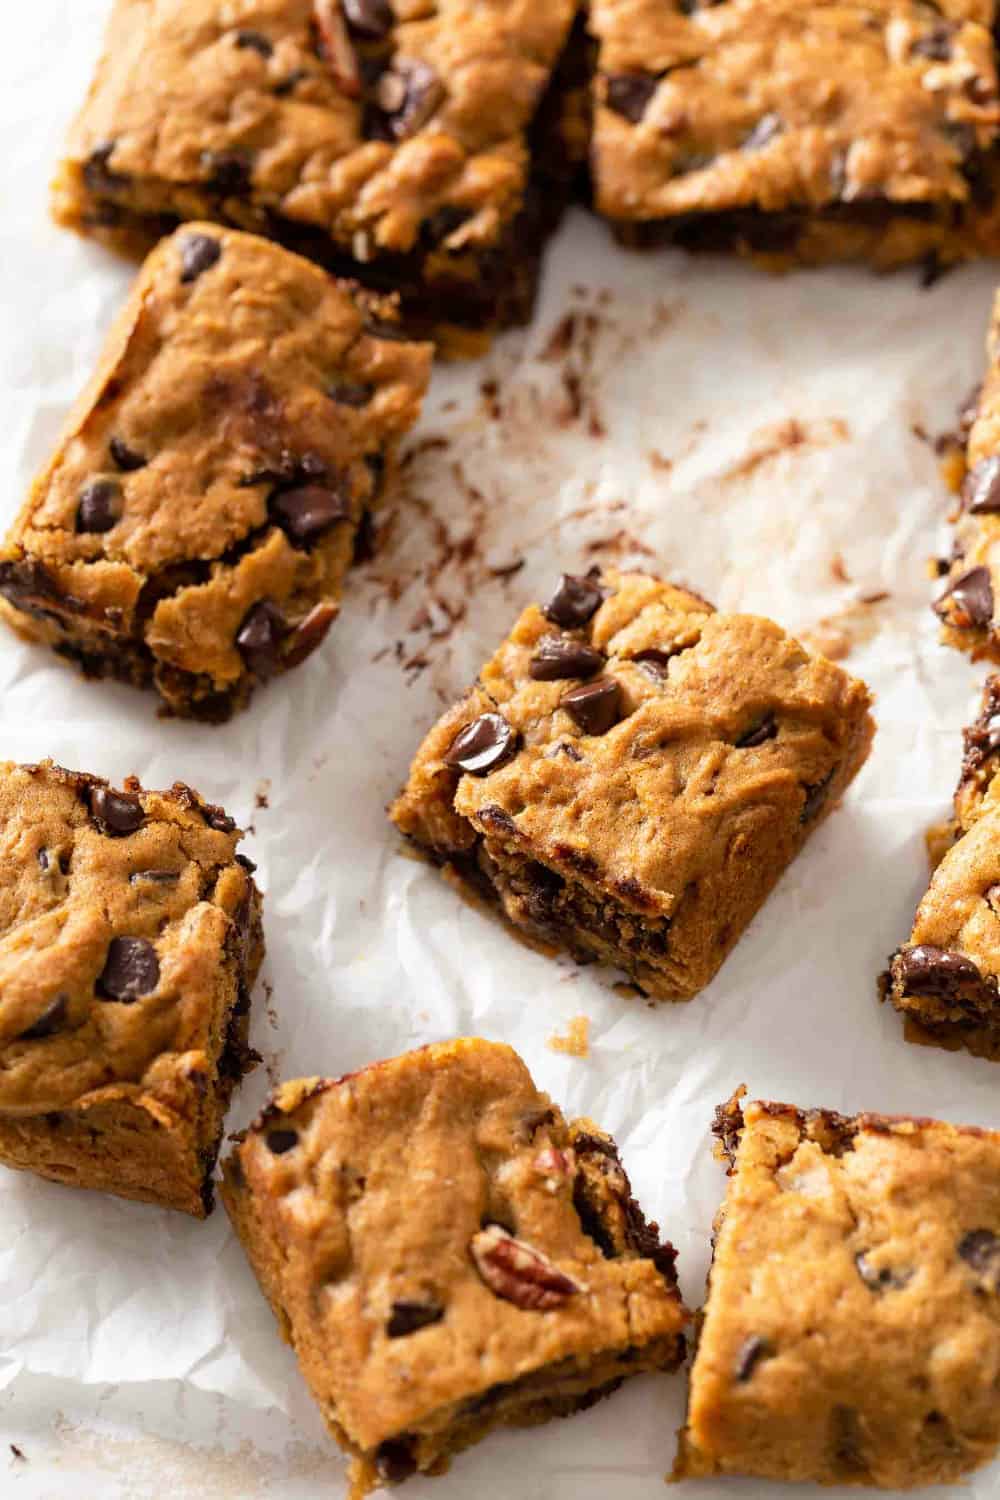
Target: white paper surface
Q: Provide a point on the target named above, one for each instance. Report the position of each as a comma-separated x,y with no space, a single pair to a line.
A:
738,433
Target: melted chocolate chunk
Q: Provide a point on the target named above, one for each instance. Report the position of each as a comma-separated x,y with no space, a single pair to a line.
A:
483,745
980,1249
98,176
228,172
970,598
654,663
131,970
260,636
408,1317
280,1141
126,458
255,41
881,1279
116,813
981,489
765,131
593,706
50,1020
407,95
759,733
395,1459
371,19
199,252
628,94
575,601
815,798
306,512
924,970
99,506
350,393
558,657
936,44
752,1351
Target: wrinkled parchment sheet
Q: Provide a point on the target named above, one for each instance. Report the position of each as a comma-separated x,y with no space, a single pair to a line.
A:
767,441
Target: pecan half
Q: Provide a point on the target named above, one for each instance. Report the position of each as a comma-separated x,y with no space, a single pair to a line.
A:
518,1273
336,46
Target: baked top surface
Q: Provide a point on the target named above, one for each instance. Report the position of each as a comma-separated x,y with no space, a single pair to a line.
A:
723,727
377,1194
851,1329
218,455
773,104
122,915
376,122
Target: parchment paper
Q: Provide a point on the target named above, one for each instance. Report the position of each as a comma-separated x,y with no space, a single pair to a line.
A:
766,441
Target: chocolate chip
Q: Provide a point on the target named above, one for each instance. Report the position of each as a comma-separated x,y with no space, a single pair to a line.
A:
980,1249
280,1141
752,1351
227,171
259,637
288,85
116,813
816,794
407,94
365,539
350,393
255,41
132,969
759,733
483,745
126,458
628,94
409,1316
654,663
217,818
593,706
98,507
981,490
306,512
924,970
575,601
50,1020
882,1278
395,1459
935,45
44,863
559,657
971,597
371,19
765,131
199,252
97,174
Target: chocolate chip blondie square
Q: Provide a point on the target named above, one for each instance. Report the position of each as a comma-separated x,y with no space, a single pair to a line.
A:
796,132
850,1334
944,981
421,146
446,1254
968,606
632,773
130,939
193,527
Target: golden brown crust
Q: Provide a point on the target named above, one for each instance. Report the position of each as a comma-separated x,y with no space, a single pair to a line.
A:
651,843
765,107
850,1332
370,1208
129,940
216,466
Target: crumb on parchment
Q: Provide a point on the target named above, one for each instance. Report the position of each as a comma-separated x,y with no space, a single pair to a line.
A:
575,1041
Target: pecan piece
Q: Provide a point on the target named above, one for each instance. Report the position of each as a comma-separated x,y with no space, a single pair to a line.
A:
518,1273
336,46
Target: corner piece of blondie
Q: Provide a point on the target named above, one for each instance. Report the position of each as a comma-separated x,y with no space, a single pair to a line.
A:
633,772
130,938
945,981
851,1333
194,525
446,1254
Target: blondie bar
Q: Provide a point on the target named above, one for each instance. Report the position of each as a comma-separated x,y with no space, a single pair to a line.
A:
130,936
850,1334
193,527
423,147
799,133
446,1254
632,773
